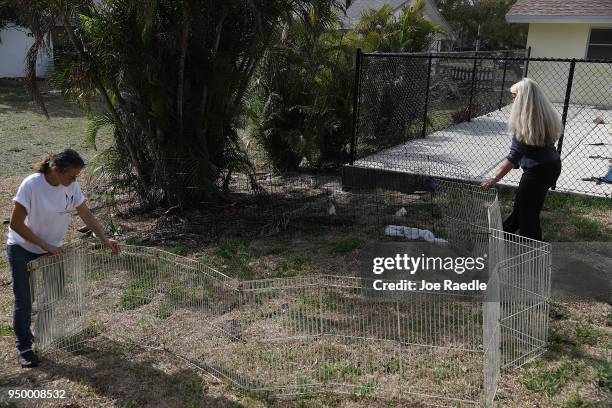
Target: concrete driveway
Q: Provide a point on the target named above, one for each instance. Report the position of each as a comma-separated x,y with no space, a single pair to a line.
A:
473,151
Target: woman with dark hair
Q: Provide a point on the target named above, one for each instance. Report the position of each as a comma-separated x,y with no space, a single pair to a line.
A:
536,126
41,216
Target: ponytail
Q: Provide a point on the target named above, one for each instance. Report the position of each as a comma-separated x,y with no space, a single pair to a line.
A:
63,161
44,165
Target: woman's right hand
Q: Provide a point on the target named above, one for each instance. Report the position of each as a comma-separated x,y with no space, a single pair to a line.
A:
52,250
485,185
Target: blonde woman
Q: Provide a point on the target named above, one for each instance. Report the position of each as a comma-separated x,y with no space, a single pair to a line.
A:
536,126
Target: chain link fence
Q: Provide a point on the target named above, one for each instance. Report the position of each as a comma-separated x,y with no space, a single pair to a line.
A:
454,108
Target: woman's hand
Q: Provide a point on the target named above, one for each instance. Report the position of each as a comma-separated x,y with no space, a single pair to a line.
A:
113,245
485,185
93,224
52,250
505,167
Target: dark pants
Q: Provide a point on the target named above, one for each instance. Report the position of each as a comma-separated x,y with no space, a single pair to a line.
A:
22,308
529,199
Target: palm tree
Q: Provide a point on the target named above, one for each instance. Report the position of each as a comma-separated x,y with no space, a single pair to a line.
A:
380,30
173,76
301,105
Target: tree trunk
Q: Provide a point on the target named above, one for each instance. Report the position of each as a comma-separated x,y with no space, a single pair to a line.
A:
181,71
100,87
200,122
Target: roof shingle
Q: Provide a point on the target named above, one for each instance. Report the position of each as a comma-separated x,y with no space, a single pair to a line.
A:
561,8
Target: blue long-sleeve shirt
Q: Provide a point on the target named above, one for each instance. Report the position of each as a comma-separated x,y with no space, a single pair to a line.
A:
530,156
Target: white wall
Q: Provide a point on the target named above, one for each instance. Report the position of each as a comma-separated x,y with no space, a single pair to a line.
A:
592,81
558,40
14,46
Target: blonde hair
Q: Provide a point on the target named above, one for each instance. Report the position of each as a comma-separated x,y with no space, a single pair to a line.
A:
533,119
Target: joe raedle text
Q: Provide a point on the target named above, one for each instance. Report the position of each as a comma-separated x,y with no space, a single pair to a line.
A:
423,285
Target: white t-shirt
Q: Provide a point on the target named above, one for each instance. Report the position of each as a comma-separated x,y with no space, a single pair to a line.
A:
49,210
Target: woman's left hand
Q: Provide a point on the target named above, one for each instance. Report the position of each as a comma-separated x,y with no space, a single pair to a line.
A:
488,184
113,245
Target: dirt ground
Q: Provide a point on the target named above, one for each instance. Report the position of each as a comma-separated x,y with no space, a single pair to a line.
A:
576,371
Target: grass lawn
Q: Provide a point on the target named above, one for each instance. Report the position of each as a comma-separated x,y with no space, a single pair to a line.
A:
575,372
25,135
567,218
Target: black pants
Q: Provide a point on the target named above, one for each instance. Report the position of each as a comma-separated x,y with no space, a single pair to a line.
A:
529,199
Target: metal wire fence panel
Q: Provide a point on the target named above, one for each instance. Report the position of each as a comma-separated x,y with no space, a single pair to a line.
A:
282,337
462,215
524,290
413,110
492,333
60,299
318,333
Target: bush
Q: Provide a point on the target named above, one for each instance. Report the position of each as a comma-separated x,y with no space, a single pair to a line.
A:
461,115
301,106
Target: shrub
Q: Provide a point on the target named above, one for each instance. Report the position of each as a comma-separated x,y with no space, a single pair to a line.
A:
301,106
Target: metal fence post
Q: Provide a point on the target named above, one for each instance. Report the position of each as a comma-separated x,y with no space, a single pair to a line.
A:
568,94
472,88
527,62
356,89
503,84
424,131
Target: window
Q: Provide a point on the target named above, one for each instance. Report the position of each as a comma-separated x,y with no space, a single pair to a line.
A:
600,44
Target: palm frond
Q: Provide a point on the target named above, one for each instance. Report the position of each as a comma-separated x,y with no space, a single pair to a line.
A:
94,127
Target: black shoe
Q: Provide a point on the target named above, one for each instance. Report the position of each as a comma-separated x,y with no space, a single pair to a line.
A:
28,359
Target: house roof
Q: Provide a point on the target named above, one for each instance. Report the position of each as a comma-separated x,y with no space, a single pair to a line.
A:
359,7
561,11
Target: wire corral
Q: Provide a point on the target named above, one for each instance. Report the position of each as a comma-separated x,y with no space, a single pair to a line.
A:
311,334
